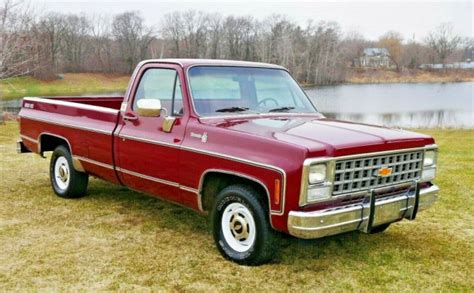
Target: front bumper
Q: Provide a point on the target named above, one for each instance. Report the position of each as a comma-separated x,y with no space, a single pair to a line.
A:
370,213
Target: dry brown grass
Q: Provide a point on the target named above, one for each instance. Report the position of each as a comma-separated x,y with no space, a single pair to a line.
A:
362,76
115,239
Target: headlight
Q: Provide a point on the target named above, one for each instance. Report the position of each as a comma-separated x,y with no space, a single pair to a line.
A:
430,158
317,174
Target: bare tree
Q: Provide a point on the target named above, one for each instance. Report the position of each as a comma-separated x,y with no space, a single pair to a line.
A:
317,53
443,41
195,33
278,41
52,28
102,45
239,38
323,62
75,41
468,48
414,54
172,29
392,41
215,32
132,36
16,41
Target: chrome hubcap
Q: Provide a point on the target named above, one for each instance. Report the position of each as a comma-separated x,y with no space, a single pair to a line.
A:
62,173
238,227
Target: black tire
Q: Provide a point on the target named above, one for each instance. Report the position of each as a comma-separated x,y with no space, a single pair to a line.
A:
76,184
263,247
379,229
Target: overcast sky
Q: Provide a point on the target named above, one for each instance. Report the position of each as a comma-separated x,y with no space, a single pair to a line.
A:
370,18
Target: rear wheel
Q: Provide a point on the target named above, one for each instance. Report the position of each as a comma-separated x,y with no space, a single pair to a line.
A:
241,227
66,182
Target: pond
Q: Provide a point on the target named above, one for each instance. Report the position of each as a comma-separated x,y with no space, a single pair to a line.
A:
424,105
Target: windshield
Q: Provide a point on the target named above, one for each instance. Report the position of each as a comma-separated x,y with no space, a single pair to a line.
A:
222,90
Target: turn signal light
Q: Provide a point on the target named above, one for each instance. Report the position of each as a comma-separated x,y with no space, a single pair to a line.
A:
277,192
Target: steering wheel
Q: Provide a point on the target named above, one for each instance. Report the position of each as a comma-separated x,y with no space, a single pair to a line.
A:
264,102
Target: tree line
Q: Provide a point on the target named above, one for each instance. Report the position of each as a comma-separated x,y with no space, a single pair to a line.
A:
43,45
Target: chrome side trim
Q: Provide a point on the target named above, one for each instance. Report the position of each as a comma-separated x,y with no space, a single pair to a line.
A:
90,161
189,189
136,174
28,138
223,156
71,104
146,140
101,131
155,179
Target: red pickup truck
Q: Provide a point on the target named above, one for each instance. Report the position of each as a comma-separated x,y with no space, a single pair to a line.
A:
238,141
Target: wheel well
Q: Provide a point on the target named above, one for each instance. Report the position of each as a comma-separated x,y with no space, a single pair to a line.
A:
51,142
215,181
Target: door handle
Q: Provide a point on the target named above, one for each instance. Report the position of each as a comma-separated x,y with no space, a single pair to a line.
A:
130,117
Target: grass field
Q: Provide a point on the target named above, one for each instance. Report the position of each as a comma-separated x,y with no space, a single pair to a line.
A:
115,239
70,84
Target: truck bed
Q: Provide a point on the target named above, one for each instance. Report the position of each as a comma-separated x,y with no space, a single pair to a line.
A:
86,123
99,101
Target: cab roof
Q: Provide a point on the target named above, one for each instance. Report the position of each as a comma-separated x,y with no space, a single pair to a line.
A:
211,62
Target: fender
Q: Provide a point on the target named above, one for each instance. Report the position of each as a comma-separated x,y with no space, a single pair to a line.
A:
242,175
76,163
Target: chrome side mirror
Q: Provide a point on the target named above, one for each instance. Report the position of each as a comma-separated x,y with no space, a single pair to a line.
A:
152,108
149,107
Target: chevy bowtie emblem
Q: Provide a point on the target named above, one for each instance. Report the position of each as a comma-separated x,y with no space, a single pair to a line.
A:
383,172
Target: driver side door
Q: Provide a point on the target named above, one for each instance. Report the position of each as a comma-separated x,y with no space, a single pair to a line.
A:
147,153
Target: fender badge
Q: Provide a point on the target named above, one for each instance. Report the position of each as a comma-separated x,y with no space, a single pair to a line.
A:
383,172
202,137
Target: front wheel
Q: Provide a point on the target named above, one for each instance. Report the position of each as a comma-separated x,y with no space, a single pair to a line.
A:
241,226
66,182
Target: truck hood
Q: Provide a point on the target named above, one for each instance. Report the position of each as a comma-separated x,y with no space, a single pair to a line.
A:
321,136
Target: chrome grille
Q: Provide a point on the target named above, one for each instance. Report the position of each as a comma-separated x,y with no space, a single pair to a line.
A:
360,174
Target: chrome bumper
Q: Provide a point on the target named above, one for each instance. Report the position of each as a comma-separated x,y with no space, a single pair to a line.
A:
373,212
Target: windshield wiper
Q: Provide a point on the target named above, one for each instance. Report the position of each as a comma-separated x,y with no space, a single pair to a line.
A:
281,109
233,109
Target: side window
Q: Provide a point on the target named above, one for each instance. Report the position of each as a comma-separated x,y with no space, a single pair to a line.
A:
178,99
162,84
